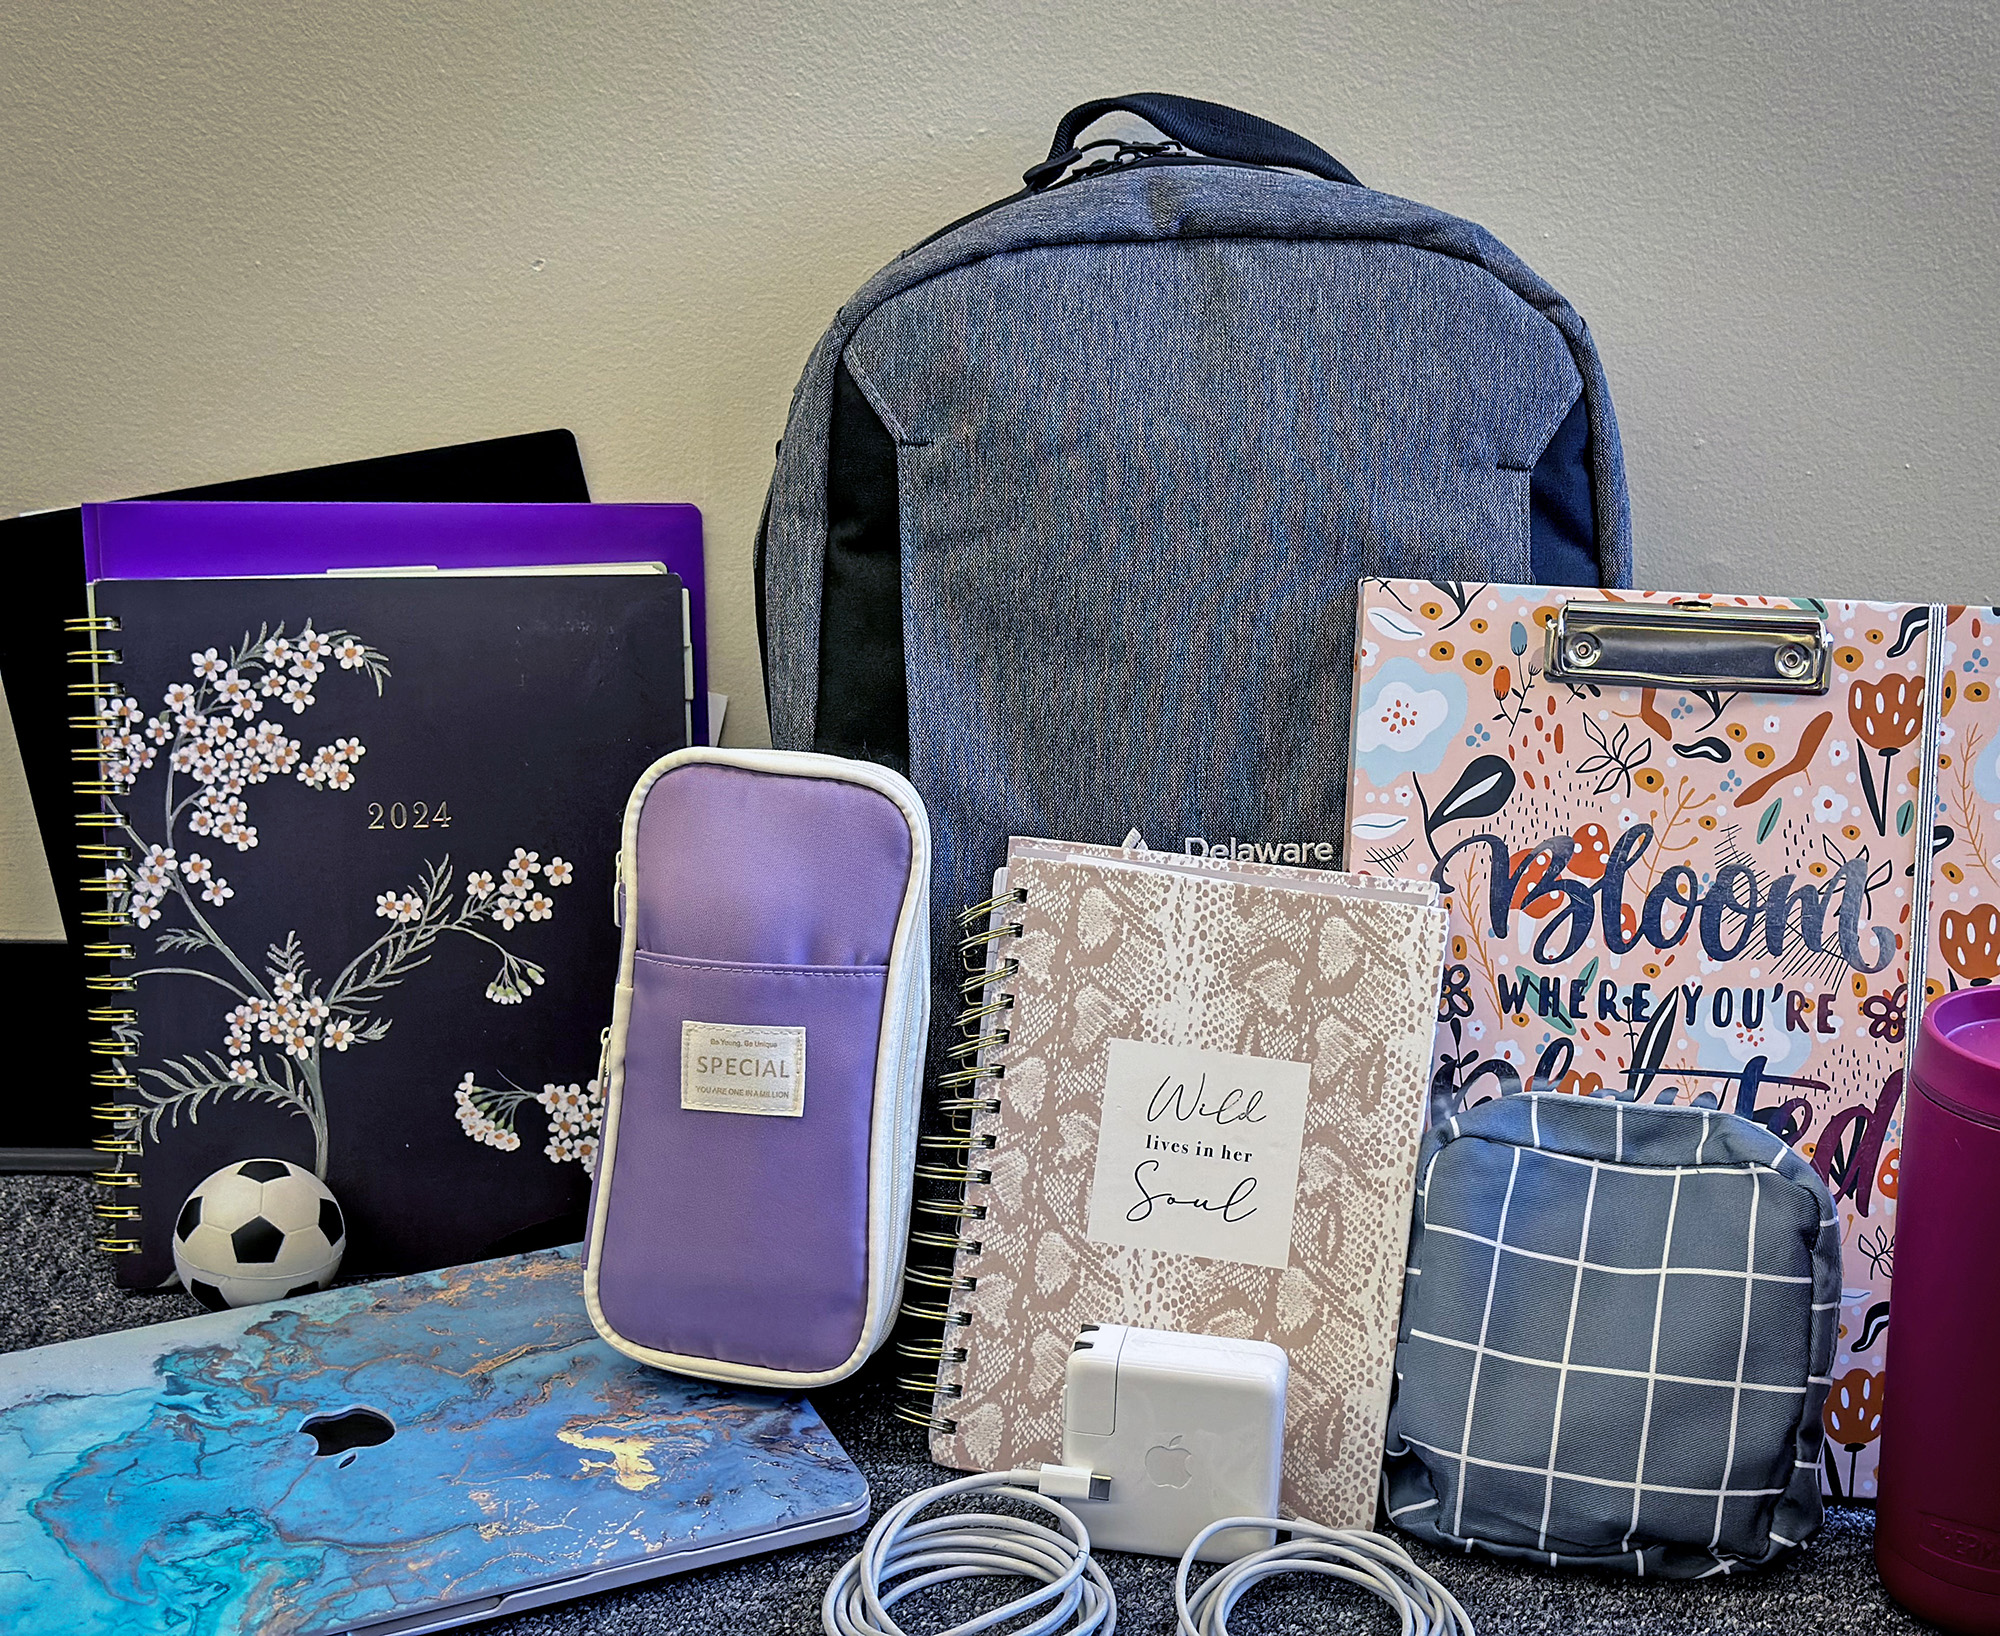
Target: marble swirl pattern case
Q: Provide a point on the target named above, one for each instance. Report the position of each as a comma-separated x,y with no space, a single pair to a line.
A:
1738,916
161,1480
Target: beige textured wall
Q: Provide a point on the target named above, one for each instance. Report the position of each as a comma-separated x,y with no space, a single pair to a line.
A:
237,238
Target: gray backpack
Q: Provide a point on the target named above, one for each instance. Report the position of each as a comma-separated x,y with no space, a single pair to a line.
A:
1074,495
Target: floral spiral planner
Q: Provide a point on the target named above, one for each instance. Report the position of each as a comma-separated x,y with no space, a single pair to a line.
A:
357,838
1713,850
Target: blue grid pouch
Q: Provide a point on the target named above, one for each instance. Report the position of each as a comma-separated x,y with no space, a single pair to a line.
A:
1617,1327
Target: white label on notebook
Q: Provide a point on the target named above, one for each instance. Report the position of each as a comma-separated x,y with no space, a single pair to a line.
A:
738,1068
1198,1153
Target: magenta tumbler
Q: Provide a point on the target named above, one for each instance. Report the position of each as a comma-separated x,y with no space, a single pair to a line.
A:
1937,1526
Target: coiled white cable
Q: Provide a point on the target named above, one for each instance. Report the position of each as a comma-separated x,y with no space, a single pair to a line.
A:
1356,1555
1074,1596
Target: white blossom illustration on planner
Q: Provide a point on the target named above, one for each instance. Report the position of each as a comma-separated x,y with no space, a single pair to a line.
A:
207,748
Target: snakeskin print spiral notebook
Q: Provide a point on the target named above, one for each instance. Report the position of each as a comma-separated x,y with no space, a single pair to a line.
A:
1195,1104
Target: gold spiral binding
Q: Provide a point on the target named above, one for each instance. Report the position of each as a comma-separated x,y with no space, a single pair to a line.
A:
107,887
928,1386
931,1287
978,1014
972,950
1005,972
959,1144
958,1209
973,913
958,1175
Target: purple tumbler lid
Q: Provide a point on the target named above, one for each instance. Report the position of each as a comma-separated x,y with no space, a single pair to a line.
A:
1958,1049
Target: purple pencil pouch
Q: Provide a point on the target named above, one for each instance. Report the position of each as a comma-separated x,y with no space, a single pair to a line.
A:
763,1066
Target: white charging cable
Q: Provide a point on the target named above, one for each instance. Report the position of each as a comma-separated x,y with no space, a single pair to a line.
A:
1357,1555
1074,1597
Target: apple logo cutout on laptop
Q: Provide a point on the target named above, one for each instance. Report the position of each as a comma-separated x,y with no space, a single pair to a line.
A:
347,1431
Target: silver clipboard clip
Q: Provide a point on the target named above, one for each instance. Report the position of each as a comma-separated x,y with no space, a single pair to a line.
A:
1689,645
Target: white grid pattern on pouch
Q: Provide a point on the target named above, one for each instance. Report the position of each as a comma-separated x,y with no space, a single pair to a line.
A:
1574,1368
1595,1482
1731,1273
1569,1340
1651,1375
1479,1354
1742,1349
1748,1275
1652,1370
1737,1385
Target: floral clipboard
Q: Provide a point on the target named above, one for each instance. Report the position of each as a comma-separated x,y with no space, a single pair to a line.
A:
1711,850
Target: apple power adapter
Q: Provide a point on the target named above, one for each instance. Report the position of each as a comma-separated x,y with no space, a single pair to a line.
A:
1189,1428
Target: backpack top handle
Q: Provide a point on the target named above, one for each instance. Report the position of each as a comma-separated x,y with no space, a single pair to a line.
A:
1206,128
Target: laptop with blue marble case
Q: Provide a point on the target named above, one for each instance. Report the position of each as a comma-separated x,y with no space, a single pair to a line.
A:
397,1457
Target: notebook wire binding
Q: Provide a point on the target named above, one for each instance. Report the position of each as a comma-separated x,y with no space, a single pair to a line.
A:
948,1219
106,886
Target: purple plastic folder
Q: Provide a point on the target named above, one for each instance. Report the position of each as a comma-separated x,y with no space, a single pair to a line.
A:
221,539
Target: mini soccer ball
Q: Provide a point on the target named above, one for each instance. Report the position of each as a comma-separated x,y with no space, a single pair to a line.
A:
258,1230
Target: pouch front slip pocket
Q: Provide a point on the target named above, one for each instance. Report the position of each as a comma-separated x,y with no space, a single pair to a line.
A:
743,1236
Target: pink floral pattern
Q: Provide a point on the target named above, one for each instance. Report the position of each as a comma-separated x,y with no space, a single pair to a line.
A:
1702,895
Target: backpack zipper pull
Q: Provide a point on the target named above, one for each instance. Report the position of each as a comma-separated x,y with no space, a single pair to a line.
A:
1041,177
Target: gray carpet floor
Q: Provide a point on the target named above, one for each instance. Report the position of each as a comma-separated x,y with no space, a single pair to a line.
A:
54,1287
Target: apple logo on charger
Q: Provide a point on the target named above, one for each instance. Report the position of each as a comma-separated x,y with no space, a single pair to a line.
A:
1168,1464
